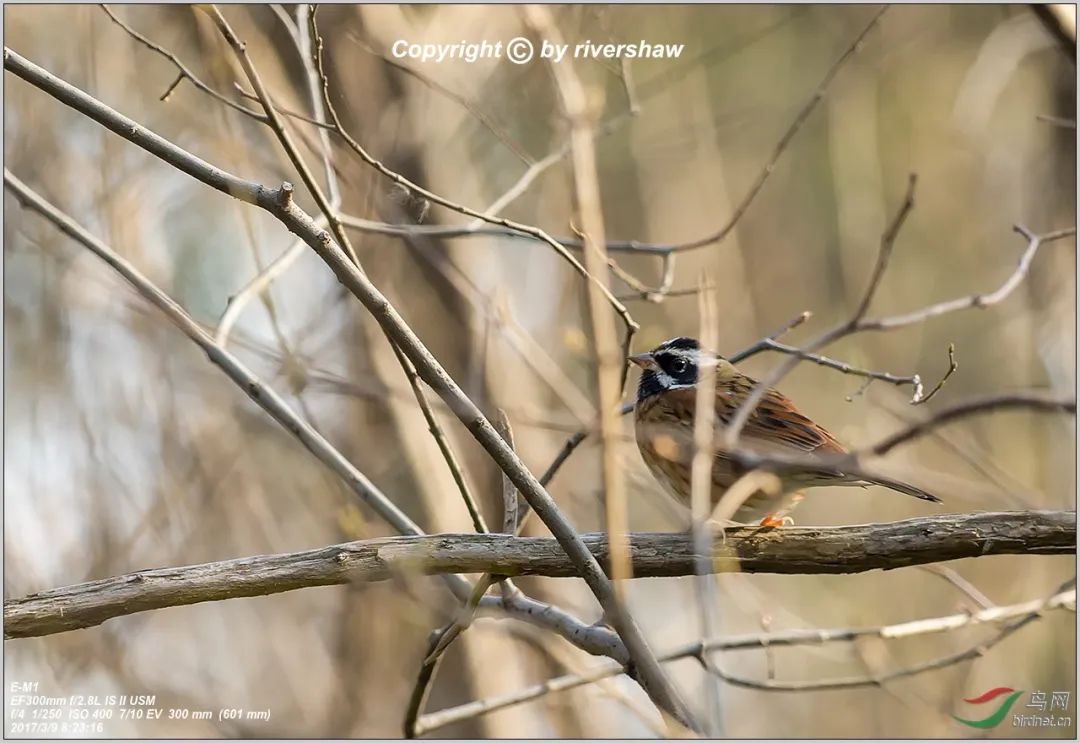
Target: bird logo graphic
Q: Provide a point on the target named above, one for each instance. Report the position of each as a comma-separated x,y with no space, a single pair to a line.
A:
997,715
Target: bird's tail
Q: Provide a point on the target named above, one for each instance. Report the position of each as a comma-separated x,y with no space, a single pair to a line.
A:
902,487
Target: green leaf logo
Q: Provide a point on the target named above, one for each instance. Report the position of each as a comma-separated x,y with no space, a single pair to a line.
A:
998,714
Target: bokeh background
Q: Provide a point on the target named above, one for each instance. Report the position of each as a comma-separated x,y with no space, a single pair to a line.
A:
126,450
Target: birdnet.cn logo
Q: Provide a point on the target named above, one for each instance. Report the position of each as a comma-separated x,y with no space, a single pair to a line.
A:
998,702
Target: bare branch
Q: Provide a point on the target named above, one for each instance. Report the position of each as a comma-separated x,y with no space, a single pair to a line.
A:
1063,600
184,72
975,300
512,517
279,202
888,241
701,503
638,246
953,578
1057,121
441,639
286,140
781,146
970,407
919,398
229,184
769,343
609,362
414,188
805,550
284,111
261,394
476,111
1061,597
841,366
261,282
441,441
742,415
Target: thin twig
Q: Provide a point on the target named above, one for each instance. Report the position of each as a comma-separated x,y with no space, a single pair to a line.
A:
277,125
439,435
746,409
1033,610
473,109
961,584
785,140
279,203
701,501
448,203
971,407
769,343
283,110
763,344
662,249
842,366
441,639
1057,121
258,284
607,358
980,301
858,323
512,515
184,72
303,46
1063,600
261,394
919,398
264,278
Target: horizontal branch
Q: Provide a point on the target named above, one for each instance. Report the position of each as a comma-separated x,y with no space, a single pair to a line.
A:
837,549
702,649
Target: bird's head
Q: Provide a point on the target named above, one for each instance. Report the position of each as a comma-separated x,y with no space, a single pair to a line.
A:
674,364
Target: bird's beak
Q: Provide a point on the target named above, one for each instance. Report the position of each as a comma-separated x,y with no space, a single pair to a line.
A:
644,360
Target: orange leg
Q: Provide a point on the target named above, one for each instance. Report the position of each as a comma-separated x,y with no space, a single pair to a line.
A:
782,517
772,522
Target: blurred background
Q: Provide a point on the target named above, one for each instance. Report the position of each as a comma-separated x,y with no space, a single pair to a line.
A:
127,450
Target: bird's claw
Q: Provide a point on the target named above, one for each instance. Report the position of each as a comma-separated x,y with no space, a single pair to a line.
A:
775,521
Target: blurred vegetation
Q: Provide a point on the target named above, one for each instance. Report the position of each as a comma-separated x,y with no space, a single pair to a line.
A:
126,450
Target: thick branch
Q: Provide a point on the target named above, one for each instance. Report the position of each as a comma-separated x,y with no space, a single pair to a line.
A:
838,549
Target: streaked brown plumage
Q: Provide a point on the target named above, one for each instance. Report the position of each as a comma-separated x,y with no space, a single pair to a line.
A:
664,423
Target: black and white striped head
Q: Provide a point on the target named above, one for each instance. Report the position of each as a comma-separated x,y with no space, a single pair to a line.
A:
671,365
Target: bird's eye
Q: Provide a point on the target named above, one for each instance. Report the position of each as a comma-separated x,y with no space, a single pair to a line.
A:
679,365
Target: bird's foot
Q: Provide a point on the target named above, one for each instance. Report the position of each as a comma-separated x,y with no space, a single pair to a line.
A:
776,520
783,516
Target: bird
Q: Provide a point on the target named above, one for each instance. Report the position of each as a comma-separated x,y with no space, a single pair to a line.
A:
664,429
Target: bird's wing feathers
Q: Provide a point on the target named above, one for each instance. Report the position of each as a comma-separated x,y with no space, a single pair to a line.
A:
777,420
776,424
